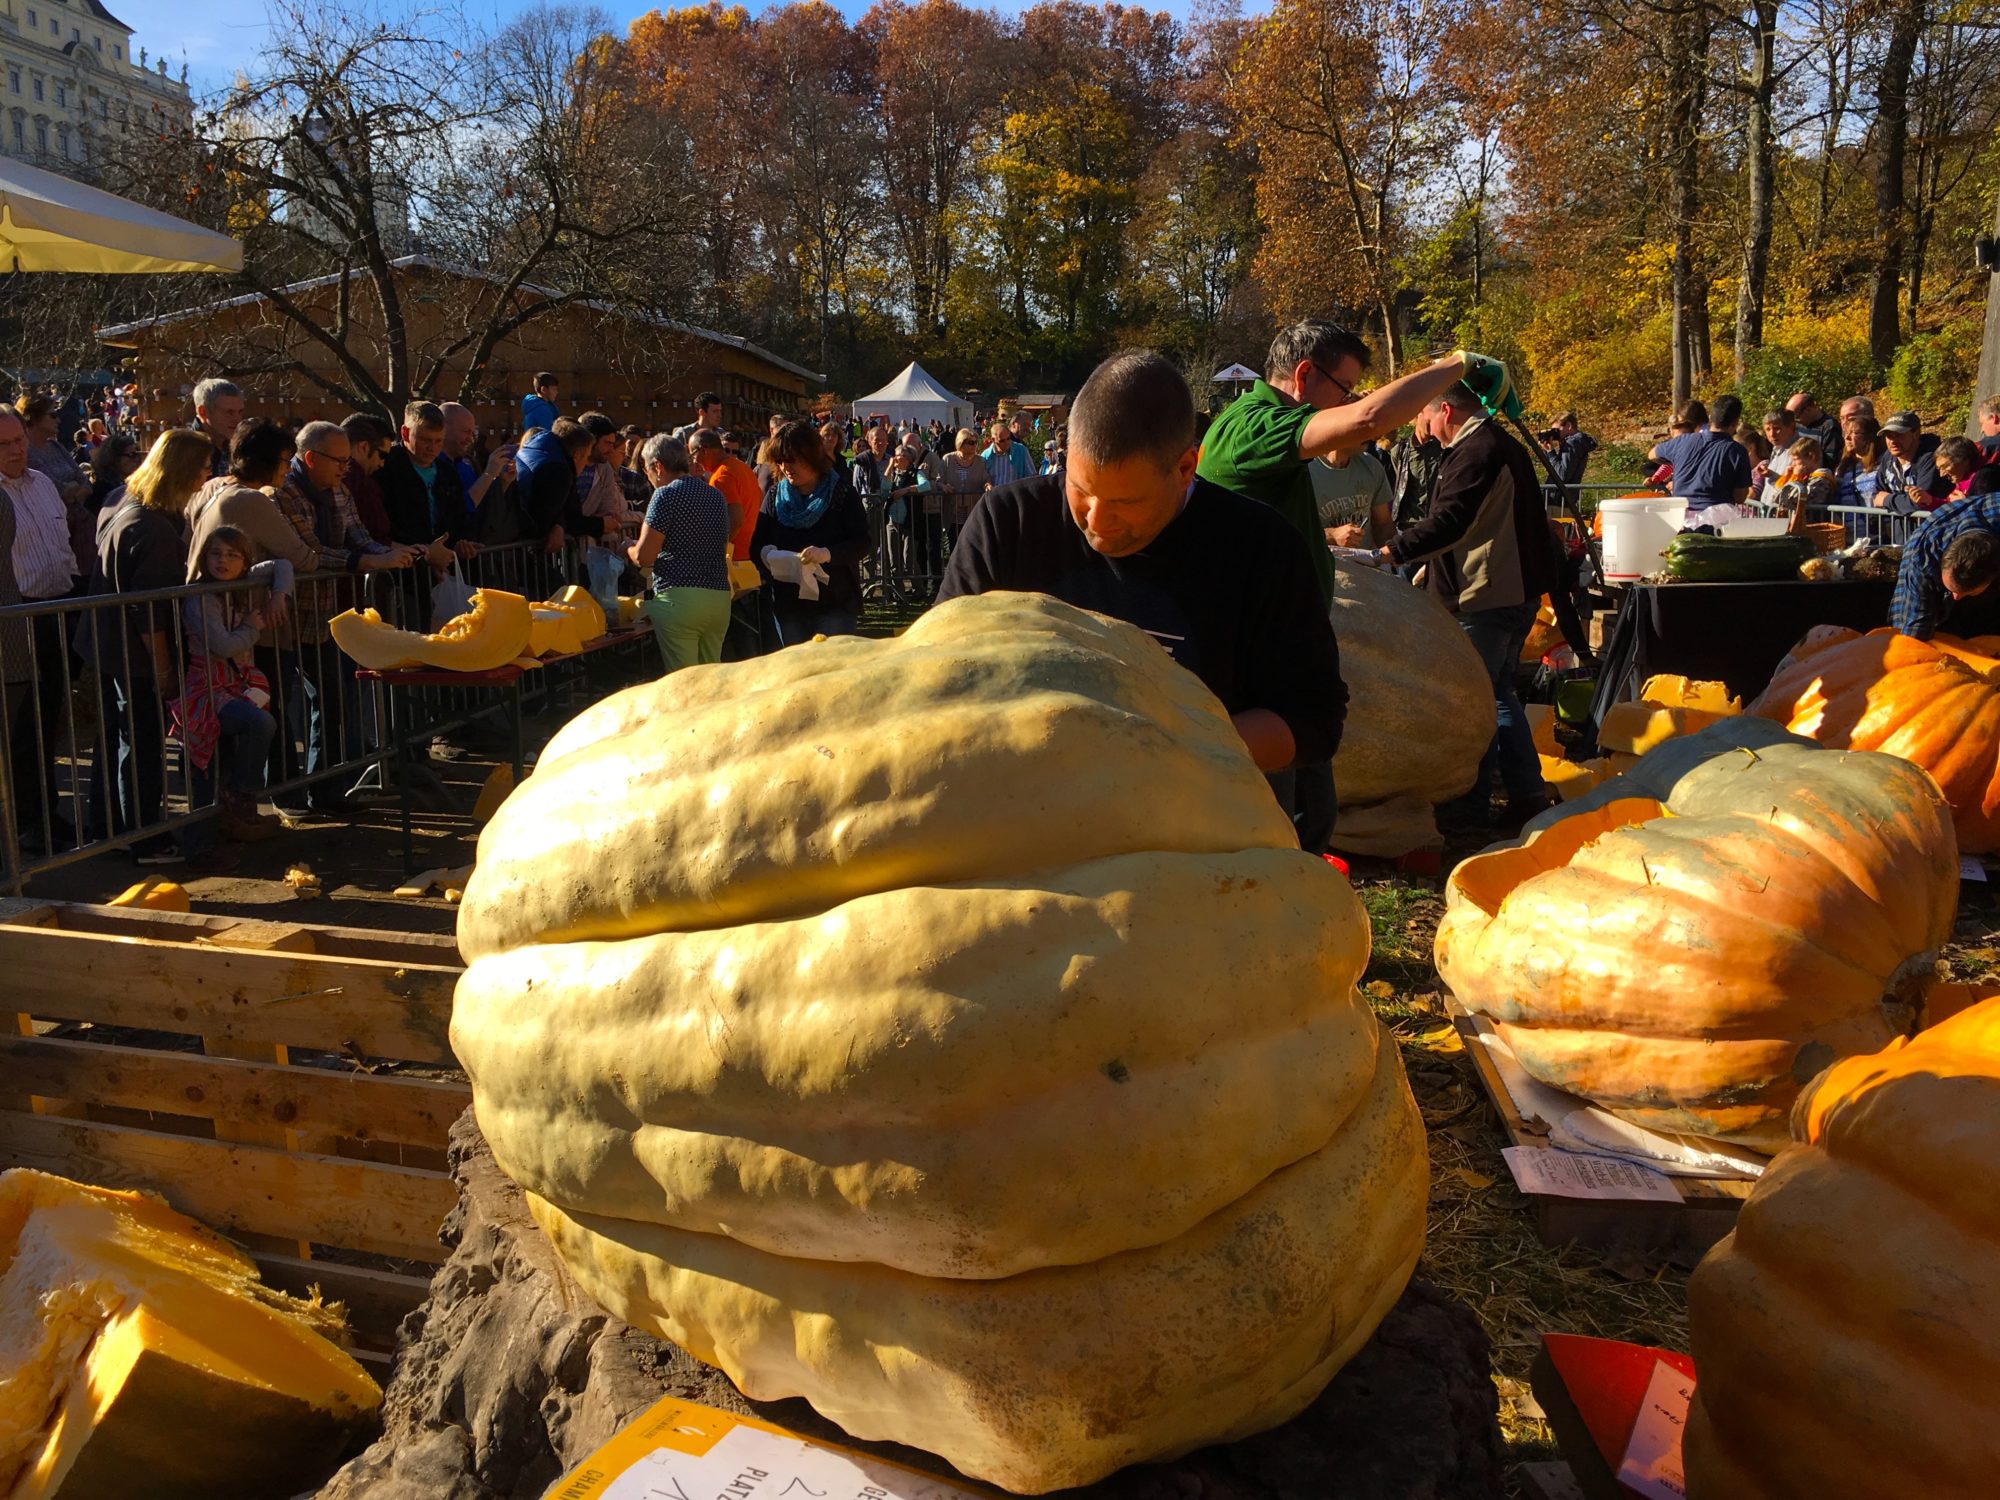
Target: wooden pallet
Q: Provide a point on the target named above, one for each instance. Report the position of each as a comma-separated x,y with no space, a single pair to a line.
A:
1705,1212
255,1074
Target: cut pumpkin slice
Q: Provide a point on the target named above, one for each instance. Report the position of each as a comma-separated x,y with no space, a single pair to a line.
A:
490,634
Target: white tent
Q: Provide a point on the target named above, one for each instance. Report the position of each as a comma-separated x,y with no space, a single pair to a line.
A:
1234,375
51,223
916,396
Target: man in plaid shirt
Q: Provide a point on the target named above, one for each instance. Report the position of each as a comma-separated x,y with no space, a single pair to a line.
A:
1950,564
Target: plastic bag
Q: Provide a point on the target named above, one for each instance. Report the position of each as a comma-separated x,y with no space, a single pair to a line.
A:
451,596
603,569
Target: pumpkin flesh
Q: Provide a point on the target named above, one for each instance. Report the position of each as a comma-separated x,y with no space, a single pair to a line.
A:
492,633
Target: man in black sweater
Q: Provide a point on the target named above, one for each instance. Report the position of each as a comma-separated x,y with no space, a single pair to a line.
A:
1489,556
1222,582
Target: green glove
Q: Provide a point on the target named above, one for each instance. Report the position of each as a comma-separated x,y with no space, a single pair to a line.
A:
1489,381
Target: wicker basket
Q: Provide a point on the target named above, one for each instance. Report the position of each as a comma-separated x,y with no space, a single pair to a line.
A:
1827,536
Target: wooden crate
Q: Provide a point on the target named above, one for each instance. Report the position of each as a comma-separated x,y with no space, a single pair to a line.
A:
255,1074
1705,1212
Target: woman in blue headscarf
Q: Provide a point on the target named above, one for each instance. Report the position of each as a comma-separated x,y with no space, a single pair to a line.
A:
810,539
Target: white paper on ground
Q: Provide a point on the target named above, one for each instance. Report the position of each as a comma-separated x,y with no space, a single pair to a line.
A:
1970,867
1573,1174
1578,1125
1652,1465
750,1464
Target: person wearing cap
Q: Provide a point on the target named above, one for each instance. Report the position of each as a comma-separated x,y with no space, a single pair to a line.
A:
1908,480
1569,448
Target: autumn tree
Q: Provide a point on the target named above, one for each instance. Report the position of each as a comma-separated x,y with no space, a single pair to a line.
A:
1351,117
940,71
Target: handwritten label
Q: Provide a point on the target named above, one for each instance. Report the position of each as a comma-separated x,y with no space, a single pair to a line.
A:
746,1462
1652,1465
1572,1174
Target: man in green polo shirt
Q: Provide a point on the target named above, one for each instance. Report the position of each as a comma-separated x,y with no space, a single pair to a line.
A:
1263,446
1304,406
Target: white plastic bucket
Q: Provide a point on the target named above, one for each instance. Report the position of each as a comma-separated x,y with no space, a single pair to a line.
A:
1637,532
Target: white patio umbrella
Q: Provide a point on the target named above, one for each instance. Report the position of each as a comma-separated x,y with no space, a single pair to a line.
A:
51,223
1234,375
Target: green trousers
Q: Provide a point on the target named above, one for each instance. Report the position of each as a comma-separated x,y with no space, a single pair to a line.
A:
689,625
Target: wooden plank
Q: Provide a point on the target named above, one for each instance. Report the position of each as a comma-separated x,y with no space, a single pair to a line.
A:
299,999
317,1101
376,1301
1705,1213
128,921
238,1188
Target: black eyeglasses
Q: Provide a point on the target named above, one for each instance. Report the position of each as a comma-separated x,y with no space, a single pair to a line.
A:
1346,390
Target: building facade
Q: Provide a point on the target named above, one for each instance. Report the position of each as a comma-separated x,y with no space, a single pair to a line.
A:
72,87
633,368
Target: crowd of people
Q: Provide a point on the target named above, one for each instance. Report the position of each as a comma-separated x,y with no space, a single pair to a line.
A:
745,545
700,516
1802,459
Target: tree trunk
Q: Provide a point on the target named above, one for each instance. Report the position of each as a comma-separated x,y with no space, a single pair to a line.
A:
1892,102
1988,382
1686,54
1759,170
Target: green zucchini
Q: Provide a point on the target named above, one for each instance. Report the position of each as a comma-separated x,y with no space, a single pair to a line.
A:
1724,559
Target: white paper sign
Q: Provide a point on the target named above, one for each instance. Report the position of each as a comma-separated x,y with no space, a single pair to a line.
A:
747,1463
1571,1174
1652,1465
1970,867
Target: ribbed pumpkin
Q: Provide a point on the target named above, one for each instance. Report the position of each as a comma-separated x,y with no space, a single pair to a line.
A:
1845,1334
1419,712
1689,942
1935,703
950,1031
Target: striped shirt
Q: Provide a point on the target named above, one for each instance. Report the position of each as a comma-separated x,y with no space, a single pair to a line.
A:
693,518
1005,468
44,565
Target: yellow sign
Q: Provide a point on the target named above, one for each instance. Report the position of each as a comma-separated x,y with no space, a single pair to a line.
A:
679,1450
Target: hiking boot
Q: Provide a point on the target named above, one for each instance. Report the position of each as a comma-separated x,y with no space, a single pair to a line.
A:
240,820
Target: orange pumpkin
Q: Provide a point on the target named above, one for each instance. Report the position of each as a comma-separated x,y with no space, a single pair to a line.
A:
1935,703
1844,1335
1689,942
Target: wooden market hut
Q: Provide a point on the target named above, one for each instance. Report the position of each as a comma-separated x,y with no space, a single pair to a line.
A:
634,368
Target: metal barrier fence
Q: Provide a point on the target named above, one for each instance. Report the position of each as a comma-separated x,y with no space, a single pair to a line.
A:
1883,527
117,735
913,536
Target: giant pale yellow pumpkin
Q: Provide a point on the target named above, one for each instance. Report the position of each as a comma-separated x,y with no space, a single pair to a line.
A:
139,1354
1935,703
1687,942
1844,1335
490,634
950,1031
1419,712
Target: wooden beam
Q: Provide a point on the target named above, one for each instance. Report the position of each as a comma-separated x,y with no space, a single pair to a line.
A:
239,1188
377,1008
316,1101
426,948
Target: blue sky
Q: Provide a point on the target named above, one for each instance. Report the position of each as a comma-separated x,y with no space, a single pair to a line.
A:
218,40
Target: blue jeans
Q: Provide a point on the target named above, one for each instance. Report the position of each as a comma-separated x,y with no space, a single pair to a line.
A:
1498,635
800,620
240,754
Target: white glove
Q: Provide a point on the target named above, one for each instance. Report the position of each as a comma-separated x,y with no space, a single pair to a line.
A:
784,566
811,576
815,555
